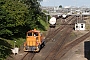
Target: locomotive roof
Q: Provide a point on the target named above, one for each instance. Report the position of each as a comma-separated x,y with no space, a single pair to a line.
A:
34,30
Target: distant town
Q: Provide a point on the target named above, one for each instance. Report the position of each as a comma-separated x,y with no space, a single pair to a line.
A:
52,10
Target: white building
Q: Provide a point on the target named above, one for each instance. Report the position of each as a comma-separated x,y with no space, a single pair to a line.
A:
80,25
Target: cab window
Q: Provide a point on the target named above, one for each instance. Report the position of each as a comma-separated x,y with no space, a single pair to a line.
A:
30,34
35,34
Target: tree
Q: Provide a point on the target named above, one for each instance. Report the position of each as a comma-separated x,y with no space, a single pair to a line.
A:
13,15
34,13
39,0
60,6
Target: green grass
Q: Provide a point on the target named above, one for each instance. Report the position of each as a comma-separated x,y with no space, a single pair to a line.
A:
18,43
45,24
88,26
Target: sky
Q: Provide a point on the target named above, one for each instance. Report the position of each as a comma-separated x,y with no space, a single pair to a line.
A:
77,3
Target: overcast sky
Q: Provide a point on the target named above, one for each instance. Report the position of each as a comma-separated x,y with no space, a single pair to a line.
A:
66,3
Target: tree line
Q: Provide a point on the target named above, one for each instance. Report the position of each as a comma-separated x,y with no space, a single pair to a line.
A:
19,16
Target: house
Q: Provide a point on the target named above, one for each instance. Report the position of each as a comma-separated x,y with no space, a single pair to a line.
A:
80,25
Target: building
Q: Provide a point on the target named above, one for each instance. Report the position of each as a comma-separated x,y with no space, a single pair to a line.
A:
80,25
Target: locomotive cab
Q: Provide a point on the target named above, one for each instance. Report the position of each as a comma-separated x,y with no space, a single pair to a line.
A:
34,41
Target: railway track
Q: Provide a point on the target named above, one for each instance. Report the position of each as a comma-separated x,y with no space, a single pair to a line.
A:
55,31
28,56
61,41
60,49
69,46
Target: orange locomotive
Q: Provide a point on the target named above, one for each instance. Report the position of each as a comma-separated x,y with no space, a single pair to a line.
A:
34,41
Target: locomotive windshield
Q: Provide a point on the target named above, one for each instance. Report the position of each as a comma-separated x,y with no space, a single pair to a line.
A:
35,34
30,34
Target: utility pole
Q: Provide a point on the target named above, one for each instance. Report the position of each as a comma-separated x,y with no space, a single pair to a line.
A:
14,47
